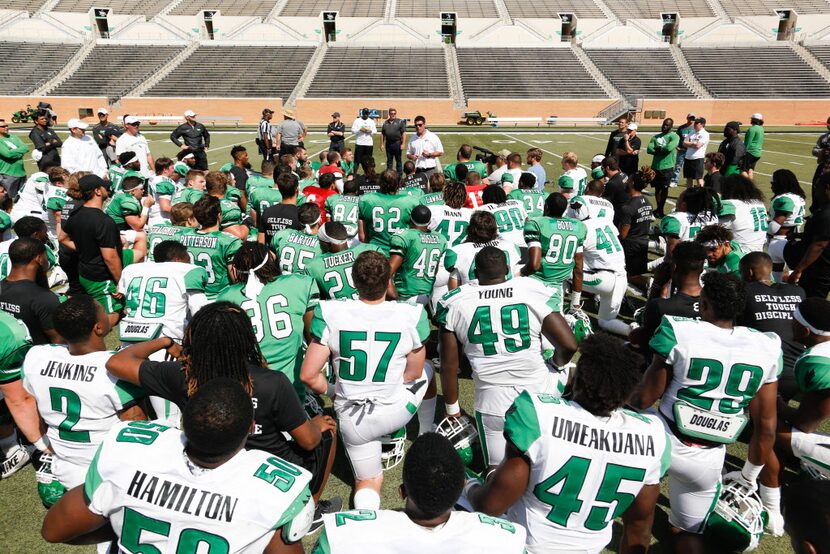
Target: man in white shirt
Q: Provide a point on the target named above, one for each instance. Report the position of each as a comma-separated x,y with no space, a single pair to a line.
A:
425,148
81,152
695,144
363,128
134,141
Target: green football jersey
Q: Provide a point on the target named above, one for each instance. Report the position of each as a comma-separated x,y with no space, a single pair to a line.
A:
277,319
732,261
664,158
333,271
231,213
560,239
14,343
295,249
413,191
385,215
55,198
122,205
421,253
305,183
213,251
812,369
187,194
160,233
432,199
262,198
344,209
754,140
474,165
533,201
5,224
257,181
116,175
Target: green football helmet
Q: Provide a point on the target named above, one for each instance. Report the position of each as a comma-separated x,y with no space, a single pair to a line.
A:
580,324
48,487
463,435
393,448
738,520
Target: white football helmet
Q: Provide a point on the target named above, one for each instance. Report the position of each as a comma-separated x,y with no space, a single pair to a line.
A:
462,433
393,448
814,471
580,324
738,520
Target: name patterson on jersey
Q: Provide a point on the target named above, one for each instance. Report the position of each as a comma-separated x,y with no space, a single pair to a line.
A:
182,498
68,370
199,241
618,442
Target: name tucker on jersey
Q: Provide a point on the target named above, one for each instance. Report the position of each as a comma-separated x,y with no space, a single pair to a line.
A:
617,442
339,259
182,498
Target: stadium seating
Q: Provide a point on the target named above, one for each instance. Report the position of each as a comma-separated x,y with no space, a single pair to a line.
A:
236,72
381,73
755,72
821,52
135,7
433,8
643,73
259,8
551,8
650,9
30,64
114,70
30,6
345,8
525,73
737,8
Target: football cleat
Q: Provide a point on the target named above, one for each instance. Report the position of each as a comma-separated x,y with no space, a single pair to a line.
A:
48,487
462,433
580,324
738,519
16,459
393,447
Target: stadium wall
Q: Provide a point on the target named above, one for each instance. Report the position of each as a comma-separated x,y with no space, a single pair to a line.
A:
775,112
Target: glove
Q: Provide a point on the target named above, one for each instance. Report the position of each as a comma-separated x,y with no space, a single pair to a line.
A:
576,302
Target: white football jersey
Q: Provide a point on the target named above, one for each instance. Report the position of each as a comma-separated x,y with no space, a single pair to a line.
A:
32,198
684,225
748,222
792,205
450,222
718,370
78,400
584,470
159,187
500,328
510,218
602,249
369,344
573,182
157,500
459,260
391,532
158,299
587,206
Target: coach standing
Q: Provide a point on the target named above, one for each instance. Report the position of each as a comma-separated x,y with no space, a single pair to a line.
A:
196,139
103,132
12,151
46,143
290,133
336,132
133,141
392,138
363,128
425,148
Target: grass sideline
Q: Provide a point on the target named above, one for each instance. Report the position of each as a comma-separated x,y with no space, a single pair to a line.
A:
21,513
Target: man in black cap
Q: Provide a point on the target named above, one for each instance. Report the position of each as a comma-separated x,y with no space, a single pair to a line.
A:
192,136
94,236
264,135
105,134
364,128
732,148
336,132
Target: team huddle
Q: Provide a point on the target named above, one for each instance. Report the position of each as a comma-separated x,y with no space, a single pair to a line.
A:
263,319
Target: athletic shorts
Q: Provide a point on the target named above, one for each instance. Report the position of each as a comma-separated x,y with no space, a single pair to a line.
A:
775,248
662,178
693,169
103,292
636,257
749,161
812,448
127,257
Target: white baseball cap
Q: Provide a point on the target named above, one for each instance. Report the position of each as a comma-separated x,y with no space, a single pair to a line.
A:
131,119
190,113
632,127
76,124
598,159
757,115
103,111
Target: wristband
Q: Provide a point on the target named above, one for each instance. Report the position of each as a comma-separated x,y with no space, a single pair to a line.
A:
144,211
576,298
452,409
42,443
750,471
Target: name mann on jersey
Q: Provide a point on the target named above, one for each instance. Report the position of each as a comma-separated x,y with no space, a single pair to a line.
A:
73,372
609,441
180,498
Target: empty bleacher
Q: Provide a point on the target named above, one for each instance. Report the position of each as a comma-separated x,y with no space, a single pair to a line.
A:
237,72
119,7
643,73
380,73
433,8
114,70
651,9
525,73
30,6
821,52
551,8
737,8
259,8
30,64
755,72
345,8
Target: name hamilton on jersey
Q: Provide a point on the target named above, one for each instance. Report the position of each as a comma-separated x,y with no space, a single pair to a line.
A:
68,370
182,498
617,442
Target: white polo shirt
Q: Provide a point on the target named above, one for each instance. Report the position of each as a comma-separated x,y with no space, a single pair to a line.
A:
697,153
137,144
428,143
364,138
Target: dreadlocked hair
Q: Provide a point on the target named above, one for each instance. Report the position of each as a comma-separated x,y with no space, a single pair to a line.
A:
702,202
250,255
219,342
642,178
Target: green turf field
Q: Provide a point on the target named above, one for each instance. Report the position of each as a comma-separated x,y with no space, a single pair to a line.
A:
20,511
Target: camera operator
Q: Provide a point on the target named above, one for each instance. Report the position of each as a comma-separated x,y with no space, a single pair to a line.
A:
464,157
512,165
628,151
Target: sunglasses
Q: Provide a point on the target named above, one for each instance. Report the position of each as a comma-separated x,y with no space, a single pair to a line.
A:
4,126
419,124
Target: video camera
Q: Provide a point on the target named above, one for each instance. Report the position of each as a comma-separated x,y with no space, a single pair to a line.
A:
487,157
